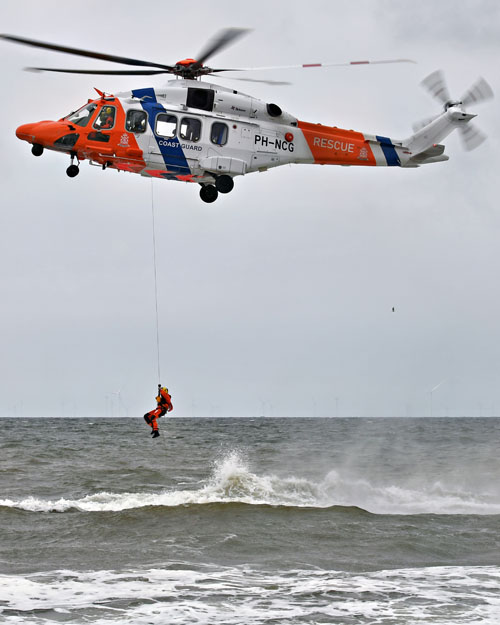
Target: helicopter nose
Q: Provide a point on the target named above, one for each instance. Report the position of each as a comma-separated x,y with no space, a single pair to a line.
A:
26,132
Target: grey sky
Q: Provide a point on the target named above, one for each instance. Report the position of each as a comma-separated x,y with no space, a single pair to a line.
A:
276,299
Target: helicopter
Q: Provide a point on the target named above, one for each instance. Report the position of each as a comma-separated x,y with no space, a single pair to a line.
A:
194,131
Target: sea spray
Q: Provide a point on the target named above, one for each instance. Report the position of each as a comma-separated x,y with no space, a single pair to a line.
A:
232,481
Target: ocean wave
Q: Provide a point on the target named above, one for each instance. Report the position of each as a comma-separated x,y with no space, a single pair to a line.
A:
182,593
233,482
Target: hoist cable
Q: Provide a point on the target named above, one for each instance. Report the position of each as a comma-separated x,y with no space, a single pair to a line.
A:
156,283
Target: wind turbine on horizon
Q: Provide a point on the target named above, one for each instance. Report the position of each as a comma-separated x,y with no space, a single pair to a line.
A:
435,389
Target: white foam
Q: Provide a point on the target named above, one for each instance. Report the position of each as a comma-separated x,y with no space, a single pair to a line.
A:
209,595
232,481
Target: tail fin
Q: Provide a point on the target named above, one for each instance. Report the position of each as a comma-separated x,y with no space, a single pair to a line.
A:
429,136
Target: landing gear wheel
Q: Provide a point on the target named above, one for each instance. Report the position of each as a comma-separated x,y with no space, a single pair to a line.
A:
37,149
224,183
73,170
209,193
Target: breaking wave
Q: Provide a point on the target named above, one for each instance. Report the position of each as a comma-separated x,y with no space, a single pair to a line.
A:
232,481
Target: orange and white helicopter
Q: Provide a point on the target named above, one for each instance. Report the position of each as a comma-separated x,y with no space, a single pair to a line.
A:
194,131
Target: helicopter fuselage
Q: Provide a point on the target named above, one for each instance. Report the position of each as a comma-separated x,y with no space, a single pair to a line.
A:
194,131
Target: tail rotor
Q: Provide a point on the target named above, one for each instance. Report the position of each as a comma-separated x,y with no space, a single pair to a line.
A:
480,91
435,84
471,137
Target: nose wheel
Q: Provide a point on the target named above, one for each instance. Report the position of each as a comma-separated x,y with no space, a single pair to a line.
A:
73,170
37,149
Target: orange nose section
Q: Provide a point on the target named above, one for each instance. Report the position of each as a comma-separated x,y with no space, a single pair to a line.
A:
26,132
42,133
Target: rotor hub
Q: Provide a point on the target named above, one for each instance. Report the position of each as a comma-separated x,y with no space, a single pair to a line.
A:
190,68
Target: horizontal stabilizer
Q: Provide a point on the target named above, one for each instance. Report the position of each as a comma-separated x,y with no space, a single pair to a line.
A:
430,155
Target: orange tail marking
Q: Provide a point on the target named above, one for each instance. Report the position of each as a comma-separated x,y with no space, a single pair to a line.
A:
336,146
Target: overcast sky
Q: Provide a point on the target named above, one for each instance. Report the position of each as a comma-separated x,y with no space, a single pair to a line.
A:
276,299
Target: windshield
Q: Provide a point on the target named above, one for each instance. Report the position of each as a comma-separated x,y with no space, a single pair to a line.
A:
82,116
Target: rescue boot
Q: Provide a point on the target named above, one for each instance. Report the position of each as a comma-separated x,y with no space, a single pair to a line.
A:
155,434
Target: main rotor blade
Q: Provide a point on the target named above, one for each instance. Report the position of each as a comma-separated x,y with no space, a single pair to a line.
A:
471,137
308,65
87,53
436,86
479,92
220,41
278,83
106,72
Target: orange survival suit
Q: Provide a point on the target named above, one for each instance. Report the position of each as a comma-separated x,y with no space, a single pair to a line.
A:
164,405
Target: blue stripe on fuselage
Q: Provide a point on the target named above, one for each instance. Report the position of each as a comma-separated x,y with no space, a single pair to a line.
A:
389,151
170,149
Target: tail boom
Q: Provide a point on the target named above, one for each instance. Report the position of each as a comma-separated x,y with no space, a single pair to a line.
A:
330,145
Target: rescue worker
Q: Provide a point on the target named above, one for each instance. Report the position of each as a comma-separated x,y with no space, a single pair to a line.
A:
106,118
164,405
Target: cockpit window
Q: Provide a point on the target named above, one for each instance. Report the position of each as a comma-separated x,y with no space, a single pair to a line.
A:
106,118
82,116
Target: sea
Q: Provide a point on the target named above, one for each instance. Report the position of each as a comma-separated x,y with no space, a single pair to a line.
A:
250,521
